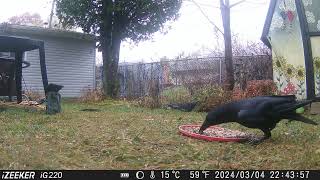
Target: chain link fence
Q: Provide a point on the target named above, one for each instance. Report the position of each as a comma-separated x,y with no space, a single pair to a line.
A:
150,79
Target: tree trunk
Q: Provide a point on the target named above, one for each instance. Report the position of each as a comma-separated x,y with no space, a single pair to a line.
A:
51,14
225,14
110,44
110,55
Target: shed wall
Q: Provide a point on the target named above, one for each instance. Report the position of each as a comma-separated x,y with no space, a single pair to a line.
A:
70,62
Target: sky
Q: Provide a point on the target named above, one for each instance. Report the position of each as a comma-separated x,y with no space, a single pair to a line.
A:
191,33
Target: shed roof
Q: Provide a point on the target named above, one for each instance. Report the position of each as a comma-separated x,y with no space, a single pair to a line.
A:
13,29
13,44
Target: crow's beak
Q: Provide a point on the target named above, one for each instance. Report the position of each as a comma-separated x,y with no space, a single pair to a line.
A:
207,123
202,128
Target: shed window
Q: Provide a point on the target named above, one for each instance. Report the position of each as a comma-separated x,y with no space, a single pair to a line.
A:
312,12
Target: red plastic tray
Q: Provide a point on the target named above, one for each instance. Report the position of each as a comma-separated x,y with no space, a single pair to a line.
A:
183,131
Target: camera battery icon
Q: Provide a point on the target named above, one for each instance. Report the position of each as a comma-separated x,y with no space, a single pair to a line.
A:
124,175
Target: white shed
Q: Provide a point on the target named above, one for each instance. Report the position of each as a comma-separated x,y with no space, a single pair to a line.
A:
70,58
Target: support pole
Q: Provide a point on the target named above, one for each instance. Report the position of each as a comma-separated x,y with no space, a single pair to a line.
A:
11,77
43,66
18,67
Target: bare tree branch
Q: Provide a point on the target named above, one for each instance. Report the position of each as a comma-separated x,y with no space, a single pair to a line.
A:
239,2
205,15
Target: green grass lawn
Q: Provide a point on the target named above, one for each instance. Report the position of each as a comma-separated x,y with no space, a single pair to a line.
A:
121,136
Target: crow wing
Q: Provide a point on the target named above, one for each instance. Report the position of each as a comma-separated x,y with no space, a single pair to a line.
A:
264,109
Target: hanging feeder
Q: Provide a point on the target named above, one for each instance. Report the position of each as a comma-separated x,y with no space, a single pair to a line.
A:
292,32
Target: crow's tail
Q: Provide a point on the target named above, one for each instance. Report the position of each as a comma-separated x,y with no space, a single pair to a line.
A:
293,106
300,118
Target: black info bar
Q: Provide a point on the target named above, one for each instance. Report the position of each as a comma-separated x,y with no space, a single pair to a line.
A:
159,174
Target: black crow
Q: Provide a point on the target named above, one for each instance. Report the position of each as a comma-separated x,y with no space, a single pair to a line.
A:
263,112
184,106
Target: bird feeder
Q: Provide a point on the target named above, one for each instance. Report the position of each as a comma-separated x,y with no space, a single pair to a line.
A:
19,45
292,31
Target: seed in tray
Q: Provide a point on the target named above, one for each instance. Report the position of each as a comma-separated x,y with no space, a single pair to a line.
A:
217,132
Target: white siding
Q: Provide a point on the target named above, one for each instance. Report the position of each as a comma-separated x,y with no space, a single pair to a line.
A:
69,62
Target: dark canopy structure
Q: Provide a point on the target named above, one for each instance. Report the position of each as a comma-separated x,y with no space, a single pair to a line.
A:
19,45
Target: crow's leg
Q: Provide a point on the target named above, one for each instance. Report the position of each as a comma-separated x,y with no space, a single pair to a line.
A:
267,134
256,140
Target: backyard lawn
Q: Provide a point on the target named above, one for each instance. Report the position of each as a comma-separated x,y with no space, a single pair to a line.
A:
122,136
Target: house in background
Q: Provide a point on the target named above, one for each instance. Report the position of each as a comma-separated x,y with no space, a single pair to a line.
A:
70,58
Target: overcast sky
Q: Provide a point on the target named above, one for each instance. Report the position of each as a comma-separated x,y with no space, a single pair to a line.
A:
192,32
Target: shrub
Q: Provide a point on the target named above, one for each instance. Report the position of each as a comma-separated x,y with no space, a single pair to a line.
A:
176,95
260,88
238,94
34,95
91,95
170,95
255,88
147,102
210,97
